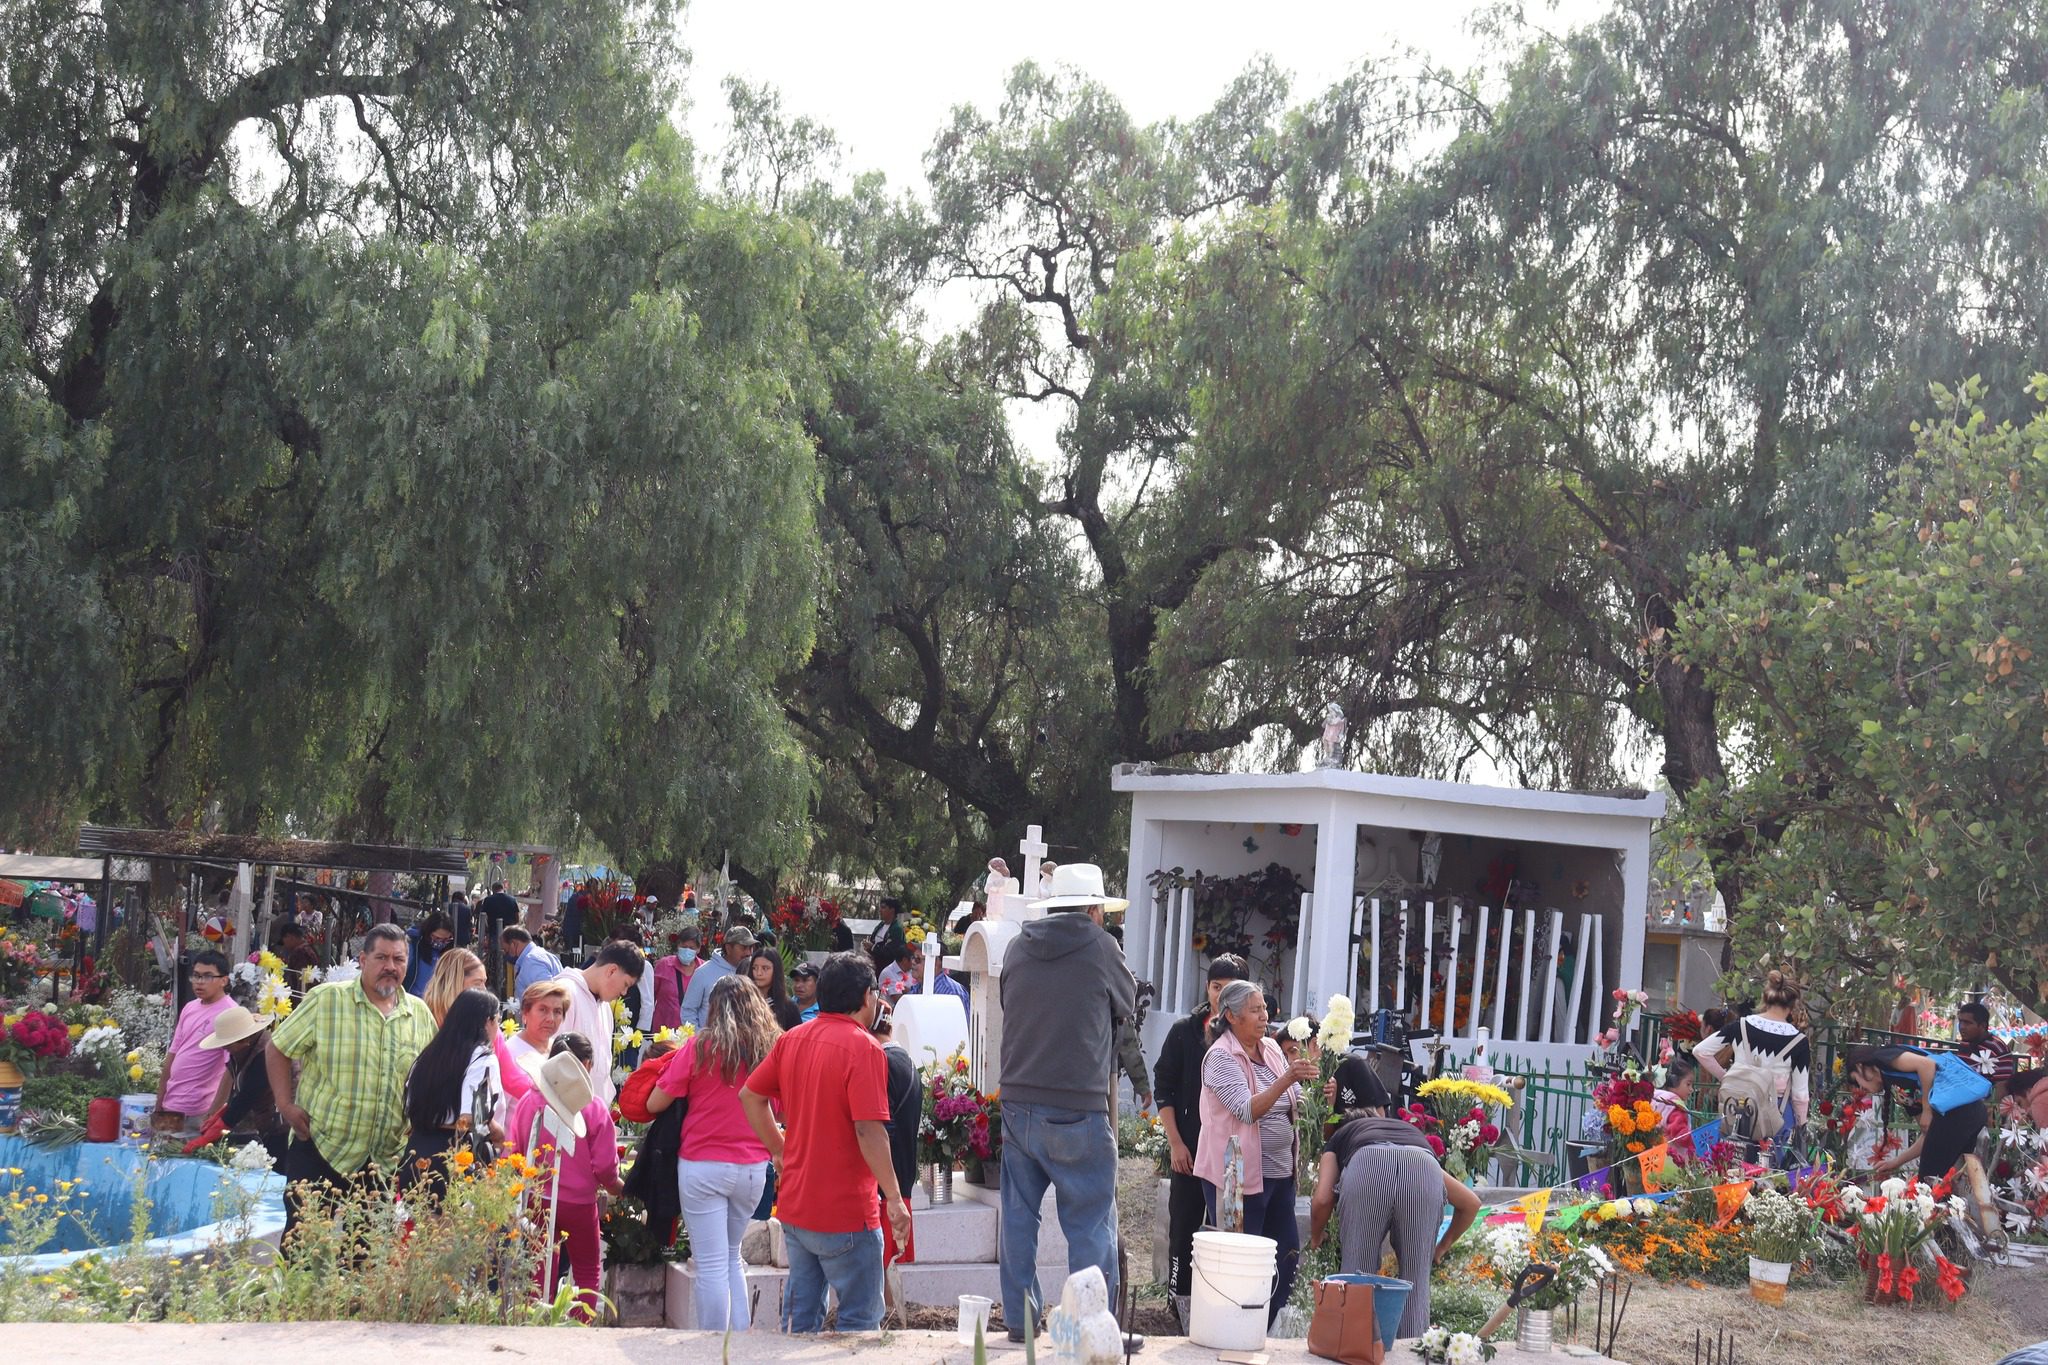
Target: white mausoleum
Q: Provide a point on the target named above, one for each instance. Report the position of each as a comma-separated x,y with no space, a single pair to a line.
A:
1461,906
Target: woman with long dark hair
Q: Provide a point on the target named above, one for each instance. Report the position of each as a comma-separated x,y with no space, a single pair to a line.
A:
766,971
723,1166
427,940
441,1090
1950,1099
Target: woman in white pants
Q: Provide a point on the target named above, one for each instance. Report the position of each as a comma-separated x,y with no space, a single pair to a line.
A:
723,1166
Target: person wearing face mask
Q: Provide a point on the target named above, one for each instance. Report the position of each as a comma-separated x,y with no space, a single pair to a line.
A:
355,1042
430,938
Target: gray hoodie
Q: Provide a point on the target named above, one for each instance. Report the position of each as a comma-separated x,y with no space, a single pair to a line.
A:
1065,988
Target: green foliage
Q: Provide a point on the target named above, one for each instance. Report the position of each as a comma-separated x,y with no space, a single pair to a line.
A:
1458,1304
70,1094
394,439
1894,719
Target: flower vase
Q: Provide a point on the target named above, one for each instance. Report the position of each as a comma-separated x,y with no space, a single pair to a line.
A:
1874,1293
938,1183
1767,1281
10,1098
1532,1329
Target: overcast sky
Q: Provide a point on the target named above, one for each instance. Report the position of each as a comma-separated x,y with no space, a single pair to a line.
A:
885,75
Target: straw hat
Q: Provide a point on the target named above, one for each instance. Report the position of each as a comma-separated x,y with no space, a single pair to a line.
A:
1078,884
565,1085
232,1025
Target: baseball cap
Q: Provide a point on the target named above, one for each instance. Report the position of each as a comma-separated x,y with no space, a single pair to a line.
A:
803,969
740,936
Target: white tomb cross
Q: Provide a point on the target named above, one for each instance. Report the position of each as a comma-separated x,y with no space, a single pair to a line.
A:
981,956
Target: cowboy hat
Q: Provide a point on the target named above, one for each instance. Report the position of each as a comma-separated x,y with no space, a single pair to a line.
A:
565,1085
1078,884
232,1025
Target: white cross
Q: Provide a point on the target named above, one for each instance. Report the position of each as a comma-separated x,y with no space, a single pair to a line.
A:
1033,848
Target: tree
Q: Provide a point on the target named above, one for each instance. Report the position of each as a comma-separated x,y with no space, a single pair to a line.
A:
389,446
1892,719
1710,254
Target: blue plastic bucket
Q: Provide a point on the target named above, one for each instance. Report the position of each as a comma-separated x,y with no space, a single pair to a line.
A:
1389,1297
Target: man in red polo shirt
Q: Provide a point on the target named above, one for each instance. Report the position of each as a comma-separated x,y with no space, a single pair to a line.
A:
832,1082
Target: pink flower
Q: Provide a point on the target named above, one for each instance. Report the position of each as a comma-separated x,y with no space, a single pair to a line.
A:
1488,1133
1436,1144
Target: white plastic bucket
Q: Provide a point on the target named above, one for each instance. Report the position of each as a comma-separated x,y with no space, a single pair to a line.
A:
1767,1280
1233,1280
974,1310
136,1112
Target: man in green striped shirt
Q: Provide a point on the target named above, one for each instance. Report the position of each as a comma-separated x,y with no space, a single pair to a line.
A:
355,1042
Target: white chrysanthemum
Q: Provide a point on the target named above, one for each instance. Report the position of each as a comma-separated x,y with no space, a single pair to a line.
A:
1598,1258
1436,1338
1463,1350
250,1156
1645,1207
1892,1188
1299,1028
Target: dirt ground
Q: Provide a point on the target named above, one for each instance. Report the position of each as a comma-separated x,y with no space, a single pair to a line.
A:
2007,1308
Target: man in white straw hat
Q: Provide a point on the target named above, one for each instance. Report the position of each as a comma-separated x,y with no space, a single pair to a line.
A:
1065,990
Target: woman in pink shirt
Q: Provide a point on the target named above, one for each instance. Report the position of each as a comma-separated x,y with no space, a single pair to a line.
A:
723,1166
672,977
184,1097
593,1166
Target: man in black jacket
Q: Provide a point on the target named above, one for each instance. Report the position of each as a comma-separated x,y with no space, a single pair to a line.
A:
1177,1090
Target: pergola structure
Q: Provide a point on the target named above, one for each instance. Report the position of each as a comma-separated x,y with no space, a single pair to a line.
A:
1462,907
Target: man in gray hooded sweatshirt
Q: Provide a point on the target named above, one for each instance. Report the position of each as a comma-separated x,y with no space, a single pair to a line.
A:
1065,989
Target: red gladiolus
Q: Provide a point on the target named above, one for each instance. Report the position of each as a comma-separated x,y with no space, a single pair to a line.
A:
1884,1273
1908,1277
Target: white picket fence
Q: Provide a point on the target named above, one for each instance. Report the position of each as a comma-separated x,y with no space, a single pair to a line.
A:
1547,1010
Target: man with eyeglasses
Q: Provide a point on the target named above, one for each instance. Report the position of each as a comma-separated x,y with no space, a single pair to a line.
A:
185,1094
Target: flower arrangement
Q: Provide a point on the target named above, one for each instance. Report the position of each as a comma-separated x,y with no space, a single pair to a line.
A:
807,921
33,1037
1508,1249
1782,1228
1142,1135
1327,1042
955,1113
1442,1346
1626,1005
260,986
2019,1176
1894,1231
1683,1029
1453,1114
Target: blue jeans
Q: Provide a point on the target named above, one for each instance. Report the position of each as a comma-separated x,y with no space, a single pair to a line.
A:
1073,1151
849,1262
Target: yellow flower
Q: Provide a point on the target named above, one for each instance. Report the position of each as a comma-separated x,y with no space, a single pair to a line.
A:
76,1031
637,1039
134,1054
135,1072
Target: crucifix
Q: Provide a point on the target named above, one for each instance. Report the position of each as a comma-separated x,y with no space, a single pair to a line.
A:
1033,847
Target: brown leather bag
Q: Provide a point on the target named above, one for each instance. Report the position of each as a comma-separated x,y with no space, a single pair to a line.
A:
1345,1327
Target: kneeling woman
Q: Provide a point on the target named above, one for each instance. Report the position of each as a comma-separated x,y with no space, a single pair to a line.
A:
1378,1174
1952,1112
1252,1093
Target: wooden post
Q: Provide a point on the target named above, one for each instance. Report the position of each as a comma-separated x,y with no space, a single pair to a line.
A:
1377,965
1500,982
1549,969
1528,948
1451,981
1478,973
1401,966
1428,959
